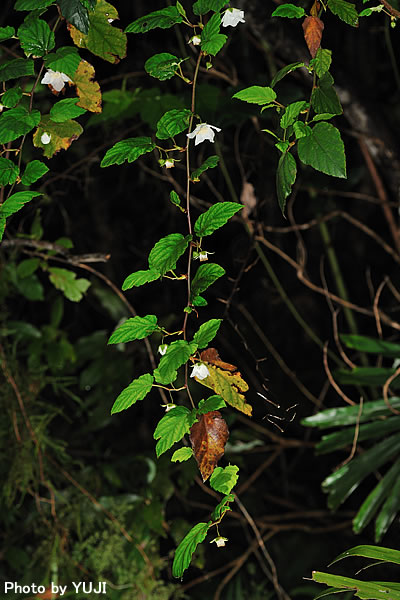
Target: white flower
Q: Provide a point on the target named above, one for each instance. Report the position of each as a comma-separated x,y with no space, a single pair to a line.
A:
110,20
168,406
220,541
169,163
203,256
56,79
162,348
232,17
200,371
203,132
1,107
195,40
45,139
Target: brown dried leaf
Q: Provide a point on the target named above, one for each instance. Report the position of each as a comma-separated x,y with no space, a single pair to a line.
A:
208,438
248,199
313,28
211,356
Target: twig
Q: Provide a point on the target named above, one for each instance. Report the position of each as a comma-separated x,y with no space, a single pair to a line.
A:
386,391
331,380
355,438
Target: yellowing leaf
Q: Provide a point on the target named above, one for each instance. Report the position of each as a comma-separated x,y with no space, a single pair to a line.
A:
102,39
208,437
61,135
88,90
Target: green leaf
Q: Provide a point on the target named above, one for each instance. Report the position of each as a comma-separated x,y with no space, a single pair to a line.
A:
174,198
8,171
15,202
32,4
66,281
27,267
61,135
129,149
66,60
301,129
212,403
322,61
209,163
36,37
372,345
136,390
182,454
102,38
16,122
177,354
66,109
215,217
388,512
75,13
285,178
349,415
375,498
11,97
186,548
346,479
199,301
171,428
173,122
162,66
222,507
364,589
140,278
6,33
345,437
206,332
324,98
166,252
367,376
211,40
289,10
223,480
205,276
291,113
324,150
256,94
321,117
375,552
346,11
201,7
164,18
136,328
19,67
285,71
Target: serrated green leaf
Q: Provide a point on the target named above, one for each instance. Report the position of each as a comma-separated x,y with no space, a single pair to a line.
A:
291,113
102,38
166,252
349,415
375,498
285,71
129,149
389,511
75,13
205,276
174,198
6,33
222,507
322,117
36,37
186,548
171,428
15,202
199,301
68,284
201,7
223,480
285,178
9,171
173,122
256,94
16,122
164,18
206,332
177,354
372,345
66,109
136,390
32,4
212,403
301,129
215,217
19,67
182,454
324,150
211,40
66,60
210,163
346,11
162,66
324,98
322,61
136,328
140,278
11,97
289,10
61,135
